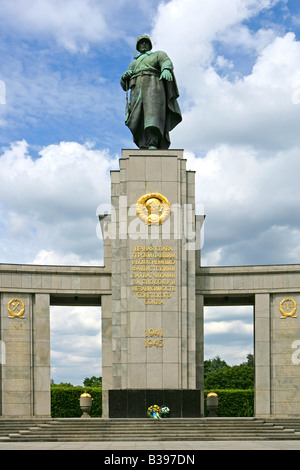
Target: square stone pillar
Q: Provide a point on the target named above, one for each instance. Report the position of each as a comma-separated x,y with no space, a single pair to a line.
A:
107,383
200,347
25,364
41,356
17,370
262,355
153,266
285,354
277,355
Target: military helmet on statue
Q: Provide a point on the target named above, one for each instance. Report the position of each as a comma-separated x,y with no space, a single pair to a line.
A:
140,38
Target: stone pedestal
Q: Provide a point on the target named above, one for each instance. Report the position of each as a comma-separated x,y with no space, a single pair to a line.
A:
153,264
25,359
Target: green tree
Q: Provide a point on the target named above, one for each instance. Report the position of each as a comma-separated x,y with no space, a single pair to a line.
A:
93,381
213,364
63,385
229,377
250,361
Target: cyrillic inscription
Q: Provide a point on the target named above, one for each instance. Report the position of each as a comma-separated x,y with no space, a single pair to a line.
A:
153,273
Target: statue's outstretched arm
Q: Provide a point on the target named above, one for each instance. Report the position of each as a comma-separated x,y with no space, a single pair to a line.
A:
166,75
166,67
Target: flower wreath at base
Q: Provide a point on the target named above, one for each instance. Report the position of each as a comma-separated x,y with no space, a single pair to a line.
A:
157,412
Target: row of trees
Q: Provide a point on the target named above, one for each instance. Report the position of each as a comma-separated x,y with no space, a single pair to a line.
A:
217,375
94,382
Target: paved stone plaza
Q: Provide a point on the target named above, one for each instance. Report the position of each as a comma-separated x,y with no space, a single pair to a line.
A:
155,446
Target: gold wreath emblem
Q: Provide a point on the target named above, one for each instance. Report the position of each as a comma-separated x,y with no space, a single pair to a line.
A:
288,308
153,208
16,308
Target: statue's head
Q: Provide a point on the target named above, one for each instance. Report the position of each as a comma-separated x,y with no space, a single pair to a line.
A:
153,205
155,208
144,37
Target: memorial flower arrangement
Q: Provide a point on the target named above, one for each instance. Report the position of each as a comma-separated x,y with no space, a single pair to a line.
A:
165,411
154,412
157,412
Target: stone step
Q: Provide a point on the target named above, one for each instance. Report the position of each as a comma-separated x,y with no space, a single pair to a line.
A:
168,423
7,426
161,431
158,427
169,429
153,437
152,432
142,437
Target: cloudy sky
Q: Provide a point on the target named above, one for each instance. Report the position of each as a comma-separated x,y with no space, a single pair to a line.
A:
237,64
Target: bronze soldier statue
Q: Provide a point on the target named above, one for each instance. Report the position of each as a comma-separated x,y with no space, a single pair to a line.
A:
153,110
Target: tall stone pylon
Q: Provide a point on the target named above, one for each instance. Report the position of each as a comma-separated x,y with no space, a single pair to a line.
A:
152,331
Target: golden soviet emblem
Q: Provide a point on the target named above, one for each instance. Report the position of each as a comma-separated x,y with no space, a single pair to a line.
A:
153,208
288,308
16,308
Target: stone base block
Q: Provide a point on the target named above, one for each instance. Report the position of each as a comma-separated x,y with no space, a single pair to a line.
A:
134,403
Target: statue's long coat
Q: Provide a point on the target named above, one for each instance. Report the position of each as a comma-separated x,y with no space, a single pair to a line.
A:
153,102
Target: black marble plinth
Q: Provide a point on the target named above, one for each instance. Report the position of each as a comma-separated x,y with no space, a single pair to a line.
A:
134,403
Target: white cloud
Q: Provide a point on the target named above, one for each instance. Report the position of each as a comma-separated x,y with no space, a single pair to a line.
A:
70,320
251,204
239,36
229,333
236,312
277,65
45,257
63,102
223,63
2,92
233,354
258,109
76,25
187,29
243,177
224,327
75,343
212,258
73,23
48,205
